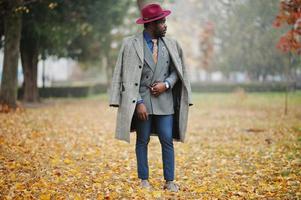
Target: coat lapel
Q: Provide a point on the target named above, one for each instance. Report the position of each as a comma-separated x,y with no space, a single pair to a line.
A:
173,55
138,44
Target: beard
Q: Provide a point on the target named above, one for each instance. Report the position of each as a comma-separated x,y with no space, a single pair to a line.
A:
161,33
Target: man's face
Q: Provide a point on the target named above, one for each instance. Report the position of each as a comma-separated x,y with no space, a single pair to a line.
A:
160,27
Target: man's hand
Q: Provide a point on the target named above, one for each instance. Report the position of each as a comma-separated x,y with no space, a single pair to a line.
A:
141,112
157,88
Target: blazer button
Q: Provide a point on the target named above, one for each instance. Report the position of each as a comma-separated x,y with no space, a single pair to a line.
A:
140,66
146,77
136,84
134,101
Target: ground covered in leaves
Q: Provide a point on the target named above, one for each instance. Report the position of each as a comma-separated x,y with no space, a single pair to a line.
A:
239,146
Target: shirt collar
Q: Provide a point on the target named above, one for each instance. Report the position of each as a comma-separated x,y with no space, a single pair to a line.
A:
147,36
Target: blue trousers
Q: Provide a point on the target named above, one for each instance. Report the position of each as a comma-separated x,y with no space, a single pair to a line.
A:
163,125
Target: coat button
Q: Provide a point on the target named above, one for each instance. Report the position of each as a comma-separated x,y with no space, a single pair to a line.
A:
136,84
164,74
146,77
140,66
134,101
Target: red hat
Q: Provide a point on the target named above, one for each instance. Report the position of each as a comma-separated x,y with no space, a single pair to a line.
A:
152,12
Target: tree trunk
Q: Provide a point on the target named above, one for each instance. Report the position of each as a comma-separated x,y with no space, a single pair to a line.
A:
287,69
142,3
29,56
12,34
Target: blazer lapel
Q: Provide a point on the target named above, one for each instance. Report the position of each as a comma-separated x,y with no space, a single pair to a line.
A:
163,56
148,56
160,62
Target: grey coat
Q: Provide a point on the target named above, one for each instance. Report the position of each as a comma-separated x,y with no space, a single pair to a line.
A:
124,90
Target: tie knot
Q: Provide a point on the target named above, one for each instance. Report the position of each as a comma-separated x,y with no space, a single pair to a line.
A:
155,41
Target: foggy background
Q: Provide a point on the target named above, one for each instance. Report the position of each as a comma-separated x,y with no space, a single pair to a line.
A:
224,41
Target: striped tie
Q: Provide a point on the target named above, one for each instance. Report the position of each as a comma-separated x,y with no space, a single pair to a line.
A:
155,50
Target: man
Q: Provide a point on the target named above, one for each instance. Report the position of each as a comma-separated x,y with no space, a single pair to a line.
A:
150,87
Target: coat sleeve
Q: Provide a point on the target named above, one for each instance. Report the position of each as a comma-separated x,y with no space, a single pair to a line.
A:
116,84
185,73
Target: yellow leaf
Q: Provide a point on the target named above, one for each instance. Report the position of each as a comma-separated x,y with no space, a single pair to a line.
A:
67,161
19,186
77,197
55,161
157,194
13,177
45,197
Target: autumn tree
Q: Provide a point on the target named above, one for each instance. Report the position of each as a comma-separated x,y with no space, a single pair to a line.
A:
42,30
245,39
207,45
77,29
289,14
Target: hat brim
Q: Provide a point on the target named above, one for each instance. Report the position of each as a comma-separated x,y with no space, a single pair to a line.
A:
165,13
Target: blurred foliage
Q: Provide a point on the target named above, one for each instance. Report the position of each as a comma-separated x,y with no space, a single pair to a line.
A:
71,28
246,38
78,29
206,44
99,19
91,31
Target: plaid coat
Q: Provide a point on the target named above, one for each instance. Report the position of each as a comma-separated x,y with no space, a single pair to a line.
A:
124,89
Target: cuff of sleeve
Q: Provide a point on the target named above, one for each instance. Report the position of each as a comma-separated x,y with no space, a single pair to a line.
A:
169,85
140,101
